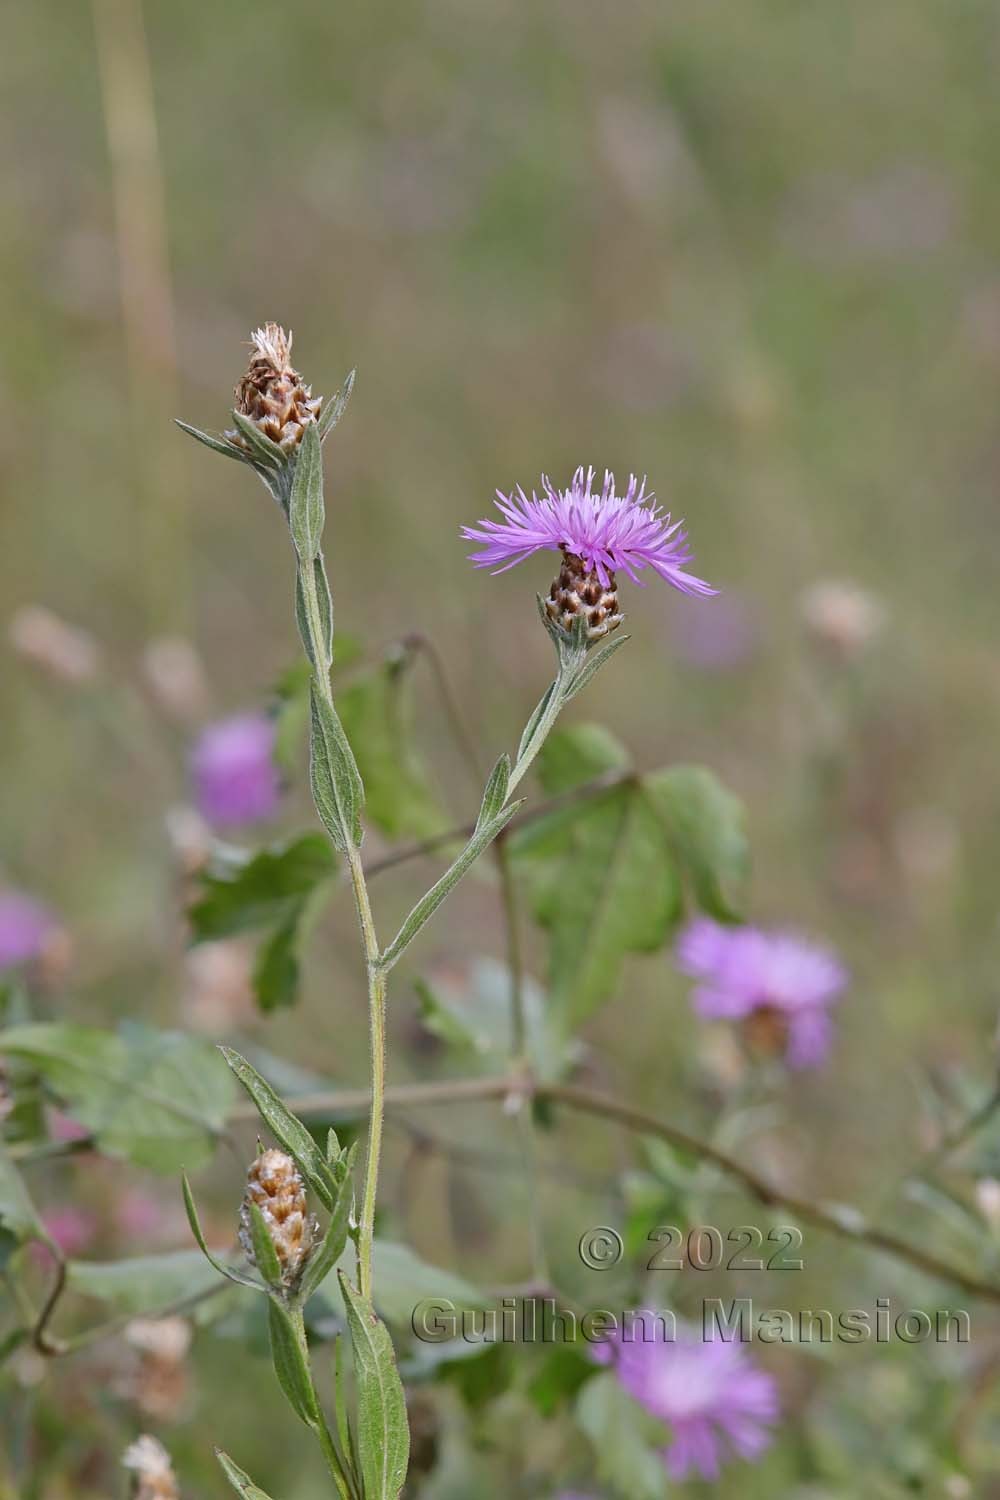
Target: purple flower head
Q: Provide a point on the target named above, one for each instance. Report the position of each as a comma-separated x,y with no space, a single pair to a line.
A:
746,974
235,776
25,928
715,1400
609,532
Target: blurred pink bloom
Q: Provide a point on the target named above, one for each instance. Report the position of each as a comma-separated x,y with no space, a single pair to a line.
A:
235,775
62,1127
72,1228
139,1215
25,928
775,982
713,1397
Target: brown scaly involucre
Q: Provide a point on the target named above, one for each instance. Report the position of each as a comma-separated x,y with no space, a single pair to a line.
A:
275,1184
152,1474
576,592
272,393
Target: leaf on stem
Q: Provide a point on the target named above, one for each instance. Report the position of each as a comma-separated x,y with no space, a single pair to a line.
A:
195,1224
241,1482
336,782
383,1437
288,1131
375,710
428,904
335,407
306,513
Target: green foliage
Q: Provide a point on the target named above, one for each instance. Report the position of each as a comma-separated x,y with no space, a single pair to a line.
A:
306,513
401,1280
17,1212
272,892
375,710
383,1438
290,1360
619,1431
705,825
144,1285
157,1098
602,875
472,1014
606,870
241,1483
288,1131
337,788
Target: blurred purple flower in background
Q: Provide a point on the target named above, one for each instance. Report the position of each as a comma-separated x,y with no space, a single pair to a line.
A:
777,983
607,531
711,1394
716,637
25,928
235,775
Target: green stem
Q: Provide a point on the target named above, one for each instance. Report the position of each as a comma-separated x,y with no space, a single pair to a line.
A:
373,963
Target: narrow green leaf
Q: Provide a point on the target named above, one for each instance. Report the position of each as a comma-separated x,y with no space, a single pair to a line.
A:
196,1229
305,507
286,1129
241,1483
325,604
335,407
705,823
340,1408
336,782
495,794
264,449
217,445
290,1363
428,904
264,1254
383,1434
593,663
535,719
323,1260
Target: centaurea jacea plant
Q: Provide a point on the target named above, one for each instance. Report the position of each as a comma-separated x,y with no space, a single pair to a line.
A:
278,431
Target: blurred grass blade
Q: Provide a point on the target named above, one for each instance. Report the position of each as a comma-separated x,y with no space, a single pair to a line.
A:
241,1483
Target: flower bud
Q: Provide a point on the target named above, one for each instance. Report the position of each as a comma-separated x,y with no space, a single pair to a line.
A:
152,1473
272,393
275,1184
578,592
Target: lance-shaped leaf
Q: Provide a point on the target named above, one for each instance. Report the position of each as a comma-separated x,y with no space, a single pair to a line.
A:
321,660
495,794
305,506
383,1438
288,1131
241,1482
195,1223
336,782
323,1259
263,448
428,904
290,1363
217,445
334,408
264,1253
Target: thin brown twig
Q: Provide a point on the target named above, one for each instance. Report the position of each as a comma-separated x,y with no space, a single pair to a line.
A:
841,1220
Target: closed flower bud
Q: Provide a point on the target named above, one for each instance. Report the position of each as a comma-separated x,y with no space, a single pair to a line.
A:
578,591
272,394
275,1184
152,1473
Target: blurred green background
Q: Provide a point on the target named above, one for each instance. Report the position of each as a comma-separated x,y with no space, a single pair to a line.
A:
749,249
